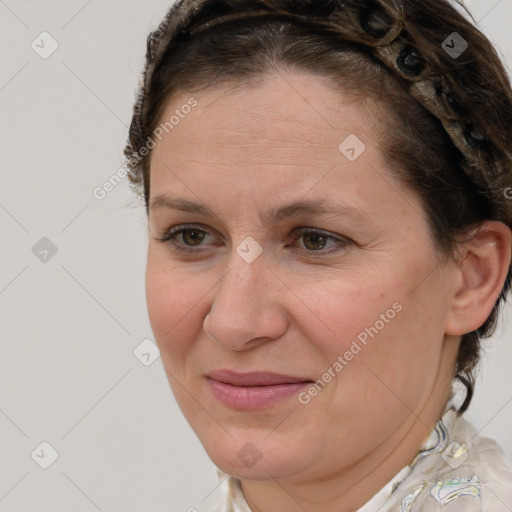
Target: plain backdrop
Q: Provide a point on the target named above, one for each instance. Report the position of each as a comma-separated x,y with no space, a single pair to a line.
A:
72,293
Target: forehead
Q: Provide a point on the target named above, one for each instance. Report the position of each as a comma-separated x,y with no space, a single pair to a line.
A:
272,106
282,111
287,135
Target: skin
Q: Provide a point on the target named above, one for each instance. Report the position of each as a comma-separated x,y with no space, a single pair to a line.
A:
245,150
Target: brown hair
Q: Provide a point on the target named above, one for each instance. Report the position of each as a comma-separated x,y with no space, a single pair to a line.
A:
415,143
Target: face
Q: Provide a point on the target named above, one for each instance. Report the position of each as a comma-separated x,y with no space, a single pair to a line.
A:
328,317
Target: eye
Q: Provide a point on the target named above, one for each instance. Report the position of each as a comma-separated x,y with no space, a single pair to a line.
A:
315,241
187,237
191,236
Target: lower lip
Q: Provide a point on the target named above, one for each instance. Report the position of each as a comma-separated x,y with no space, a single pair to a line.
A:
253,397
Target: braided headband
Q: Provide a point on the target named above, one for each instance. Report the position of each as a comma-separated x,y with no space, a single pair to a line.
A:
487,164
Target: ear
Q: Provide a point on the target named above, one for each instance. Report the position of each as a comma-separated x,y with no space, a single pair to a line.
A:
483,270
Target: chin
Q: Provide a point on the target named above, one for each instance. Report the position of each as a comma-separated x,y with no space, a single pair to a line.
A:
251,462
260,471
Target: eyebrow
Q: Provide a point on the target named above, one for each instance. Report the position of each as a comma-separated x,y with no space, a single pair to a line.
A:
273,216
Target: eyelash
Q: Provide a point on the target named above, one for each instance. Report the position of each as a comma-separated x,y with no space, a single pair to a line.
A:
171,235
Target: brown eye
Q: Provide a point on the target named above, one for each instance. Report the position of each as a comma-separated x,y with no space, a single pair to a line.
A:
314,241
185,238
192,236
188,239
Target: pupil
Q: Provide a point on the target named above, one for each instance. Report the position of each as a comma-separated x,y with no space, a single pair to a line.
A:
317,239
194,235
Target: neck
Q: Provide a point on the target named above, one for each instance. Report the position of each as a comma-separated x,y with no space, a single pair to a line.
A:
349,489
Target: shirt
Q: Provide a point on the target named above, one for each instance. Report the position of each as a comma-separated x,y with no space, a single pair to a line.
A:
456,470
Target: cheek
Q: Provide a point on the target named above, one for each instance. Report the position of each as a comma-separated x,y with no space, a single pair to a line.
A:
172,300
344,310
385,335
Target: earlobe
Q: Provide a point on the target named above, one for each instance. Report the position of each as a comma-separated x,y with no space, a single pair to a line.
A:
483,271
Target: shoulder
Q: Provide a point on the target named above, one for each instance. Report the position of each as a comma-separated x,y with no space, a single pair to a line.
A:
468,473
487,461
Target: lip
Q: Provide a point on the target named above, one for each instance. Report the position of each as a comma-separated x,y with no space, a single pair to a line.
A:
255,390
254,378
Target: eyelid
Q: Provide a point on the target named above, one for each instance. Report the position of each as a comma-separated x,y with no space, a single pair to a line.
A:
171,233
298,232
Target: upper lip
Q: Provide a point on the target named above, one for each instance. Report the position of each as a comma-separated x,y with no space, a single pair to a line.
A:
254,378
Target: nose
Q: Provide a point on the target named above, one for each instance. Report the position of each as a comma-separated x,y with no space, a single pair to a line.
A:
247,310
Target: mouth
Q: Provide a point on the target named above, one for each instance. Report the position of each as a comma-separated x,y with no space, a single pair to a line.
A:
255,390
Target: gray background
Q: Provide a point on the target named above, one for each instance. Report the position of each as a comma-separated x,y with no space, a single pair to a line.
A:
69,325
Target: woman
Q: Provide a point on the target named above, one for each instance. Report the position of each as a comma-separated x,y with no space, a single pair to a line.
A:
327,189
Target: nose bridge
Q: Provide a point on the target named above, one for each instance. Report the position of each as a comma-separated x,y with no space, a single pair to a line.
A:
247,272
240,290
242,307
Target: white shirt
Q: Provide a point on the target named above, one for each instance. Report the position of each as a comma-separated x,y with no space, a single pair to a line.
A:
455,471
